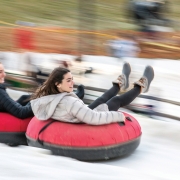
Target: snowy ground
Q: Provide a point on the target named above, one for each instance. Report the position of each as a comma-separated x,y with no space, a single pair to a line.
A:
156,158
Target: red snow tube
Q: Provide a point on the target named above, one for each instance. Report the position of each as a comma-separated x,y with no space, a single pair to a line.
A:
83,141
12,129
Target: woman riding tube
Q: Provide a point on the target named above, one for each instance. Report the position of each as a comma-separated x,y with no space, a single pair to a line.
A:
22,107
55,98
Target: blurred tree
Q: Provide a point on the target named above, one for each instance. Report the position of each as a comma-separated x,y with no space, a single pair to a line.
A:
87,23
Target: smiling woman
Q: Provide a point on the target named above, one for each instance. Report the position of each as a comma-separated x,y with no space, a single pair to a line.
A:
12,127
55,98
59,81
76,135
67,83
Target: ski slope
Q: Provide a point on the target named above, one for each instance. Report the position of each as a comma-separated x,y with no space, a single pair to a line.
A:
156,158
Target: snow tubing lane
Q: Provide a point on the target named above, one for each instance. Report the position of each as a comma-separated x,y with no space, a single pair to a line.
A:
12,129
85,142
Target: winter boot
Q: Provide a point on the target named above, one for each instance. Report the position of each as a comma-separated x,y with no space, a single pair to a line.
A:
146,79
123,79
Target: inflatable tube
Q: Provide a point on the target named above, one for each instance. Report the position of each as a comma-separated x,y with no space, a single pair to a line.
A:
83,141
12,129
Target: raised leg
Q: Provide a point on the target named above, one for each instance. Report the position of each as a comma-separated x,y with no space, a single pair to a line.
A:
122,82
119,101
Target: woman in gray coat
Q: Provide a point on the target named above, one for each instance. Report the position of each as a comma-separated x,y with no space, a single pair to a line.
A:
55,98
22,107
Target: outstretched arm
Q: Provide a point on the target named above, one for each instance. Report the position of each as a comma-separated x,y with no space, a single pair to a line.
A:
86,115
13,107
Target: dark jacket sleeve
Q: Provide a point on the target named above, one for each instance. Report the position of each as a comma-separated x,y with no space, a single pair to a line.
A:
14,108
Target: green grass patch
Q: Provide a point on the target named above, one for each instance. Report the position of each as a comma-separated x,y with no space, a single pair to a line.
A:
95,14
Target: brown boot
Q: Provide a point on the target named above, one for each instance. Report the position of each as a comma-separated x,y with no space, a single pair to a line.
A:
123,79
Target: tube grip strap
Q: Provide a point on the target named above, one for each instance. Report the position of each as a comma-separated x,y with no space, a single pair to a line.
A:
42,129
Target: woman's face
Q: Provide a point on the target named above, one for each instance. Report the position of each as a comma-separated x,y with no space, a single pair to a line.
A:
67,83
2,73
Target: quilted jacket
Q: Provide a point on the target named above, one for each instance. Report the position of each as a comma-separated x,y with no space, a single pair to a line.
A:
68,107
7,104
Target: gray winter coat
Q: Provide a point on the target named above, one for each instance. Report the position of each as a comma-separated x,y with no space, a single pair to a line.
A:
68,107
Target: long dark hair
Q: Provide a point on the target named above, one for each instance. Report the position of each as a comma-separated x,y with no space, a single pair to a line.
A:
49,87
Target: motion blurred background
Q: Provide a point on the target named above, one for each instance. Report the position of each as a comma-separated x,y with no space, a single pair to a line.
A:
76,27
93,39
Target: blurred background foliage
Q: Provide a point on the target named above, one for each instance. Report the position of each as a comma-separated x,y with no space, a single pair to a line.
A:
105,17
67,13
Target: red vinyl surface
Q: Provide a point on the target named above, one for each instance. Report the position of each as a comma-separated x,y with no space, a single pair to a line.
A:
84,135
9,123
